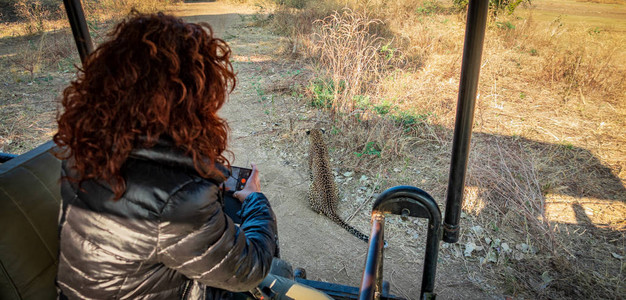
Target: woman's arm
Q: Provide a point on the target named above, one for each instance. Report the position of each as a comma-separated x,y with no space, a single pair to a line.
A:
197,239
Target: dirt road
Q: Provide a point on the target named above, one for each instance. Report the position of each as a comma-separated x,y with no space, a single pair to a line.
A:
257,121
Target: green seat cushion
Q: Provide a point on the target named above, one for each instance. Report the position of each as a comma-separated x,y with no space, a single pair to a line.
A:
29,206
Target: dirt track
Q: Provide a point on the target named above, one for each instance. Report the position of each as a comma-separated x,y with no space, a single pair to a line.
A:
308,240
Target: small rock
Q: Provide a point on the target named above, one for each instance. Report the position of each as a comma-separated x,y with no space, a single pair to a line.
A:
397,170
363,178
478,230
505,248
348,174
469,248
534,249
522,247
620,257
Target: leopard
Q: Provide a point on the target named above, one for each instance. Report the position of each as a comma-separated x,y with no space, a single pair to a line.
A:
323,194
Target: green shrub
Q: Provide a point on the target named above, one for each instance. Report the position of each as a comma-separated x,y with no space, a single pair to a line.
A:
408,120
371,148
495,6
383,108
292,3
323,93
429,8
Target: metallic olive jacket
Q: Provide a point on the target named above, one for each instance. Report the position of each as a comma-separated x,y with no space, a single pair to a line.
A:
166,238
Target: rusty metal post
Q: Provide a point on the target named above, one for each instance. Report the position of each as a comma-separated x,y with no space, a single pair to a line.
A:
372,280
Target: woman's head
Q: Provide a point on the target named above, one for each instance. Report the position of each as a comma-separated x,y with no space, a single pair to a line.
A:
156,76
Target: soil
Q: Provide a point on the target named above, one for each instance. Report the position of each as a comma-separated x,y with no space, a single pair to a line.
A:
268,127
261,133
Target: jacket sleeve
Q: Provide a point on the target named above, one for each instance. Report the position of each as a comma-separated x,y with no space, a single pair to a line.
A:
198,240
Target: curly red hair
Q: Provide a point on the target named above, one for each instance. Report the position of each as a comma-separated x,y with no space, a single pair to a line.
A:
156,76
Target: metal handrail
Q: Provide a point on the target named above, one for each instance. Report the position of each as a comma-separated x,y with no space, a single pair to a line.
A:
406,201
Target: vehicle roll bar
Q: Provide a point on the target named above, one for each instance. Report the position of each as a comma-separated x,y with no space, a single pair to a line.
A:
405,201
411,201
470,70
76,16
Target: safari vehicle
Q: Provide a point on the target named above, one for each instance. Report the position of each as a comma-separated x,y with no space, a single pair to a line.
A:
30,196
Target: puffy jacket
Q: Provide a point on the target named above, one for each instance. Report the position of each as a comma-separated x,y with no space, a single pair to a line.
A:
166,238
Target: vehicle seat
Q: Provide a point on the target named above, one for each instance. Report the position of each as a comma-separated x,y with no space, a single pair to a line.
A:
29,205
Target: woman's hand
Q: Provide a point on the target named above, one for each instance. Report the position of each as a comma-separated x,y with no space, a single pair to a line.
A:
253,185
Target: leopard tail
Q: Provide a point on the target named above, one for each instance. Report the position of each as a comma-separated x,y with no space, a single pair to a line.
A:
350,229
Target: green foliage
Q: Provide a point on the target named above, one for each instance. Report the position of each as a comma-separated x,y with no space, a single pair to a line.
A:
323,93
258,88
361,102
408,120
365,103
594,31
292,3
505,25
383,108
387,51
429,7
495,6
371,148
567,146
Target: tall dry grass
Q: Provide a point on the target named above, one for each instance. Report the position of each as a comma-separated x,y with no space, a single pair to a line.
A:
550,108
41,33
349,55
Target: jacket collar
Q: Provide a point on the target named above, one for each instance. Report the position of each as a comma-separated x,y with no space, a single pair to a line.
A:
166,153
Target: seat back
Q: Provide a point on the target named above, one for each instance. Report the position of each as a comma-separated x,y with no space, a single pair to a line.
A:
29,205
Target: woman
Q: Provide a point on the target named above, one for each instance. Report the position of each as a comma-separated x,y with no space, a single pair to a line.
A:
144,153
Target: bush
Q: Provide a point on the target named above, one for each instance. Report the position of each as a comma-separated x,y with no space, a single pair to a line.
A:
35,12
495,6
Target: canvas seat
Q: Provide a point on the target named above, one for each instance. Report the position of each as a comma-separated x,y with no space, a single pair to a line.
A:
29,206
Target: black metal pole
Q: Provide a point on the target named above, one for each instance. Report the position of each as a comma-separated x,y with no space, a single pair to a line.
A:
76,16
470,70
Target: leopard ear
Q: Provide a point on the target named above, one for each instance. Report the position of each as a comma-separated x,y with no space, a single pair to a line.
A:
308,132
323,131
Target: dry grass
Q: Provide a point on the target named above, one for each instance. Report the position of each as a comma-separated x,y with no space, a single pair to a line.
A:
344,46
37,54
549,124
